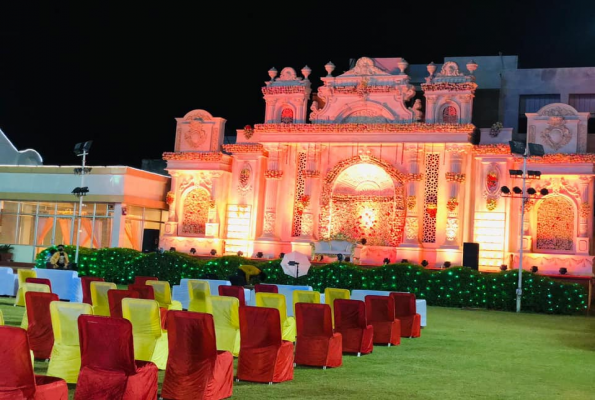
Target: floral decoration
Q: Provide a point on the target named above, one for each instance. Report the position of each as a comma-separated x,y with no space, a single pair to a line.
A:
240,148
452,204
559,158
302,204
555,224
248,131
414,177
492,181
491,204
309,173
455,177
364,128
244,176
411,203
448,86
283,89
495,129
193,156
170,198
273,174
432,209
585,210
195,213
491,149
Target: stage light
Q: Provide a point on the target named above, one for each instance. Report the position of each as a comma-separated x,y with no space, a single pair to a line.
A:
340,257
505,190
386,261
536,150
347,259
531,191
515,173
544,192
534,269
517,147
534,174
193,251
82,147
404,261
80,191
517,190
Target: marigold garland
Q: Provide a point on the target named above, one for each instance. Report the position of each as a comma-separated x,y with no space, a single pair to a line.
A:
364,128
193,156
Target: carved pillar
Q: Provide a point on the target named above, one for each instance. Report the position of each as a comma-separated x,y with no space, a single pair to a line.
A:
455,178
430,111
173,198
411,238
465,101
582,242
311,175
212,226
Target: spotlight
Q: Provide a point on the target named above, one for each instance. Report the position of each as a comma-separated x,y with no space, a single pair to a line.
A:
544,192
172,249
505,190
563,271
515,173
82,171
404,261
447,264
193,251
260,254
386,261
364,241
80,191
213,252
281,255
517,190
503,267
424,263
340,257
531,191
82,147
347,259
534,174
534,269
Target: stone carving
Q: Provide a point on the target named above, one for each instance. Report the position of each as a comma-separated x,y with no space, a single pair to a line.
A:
557,110
418,114
365,116
556,135
269,222
365,66
307,224
450,68
200,115
245,176
532,134
287,74
195,135
452,226
411,228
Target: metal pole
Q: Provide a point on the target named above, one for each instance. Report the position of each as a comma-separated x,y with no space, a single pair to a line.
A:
78,229
519,291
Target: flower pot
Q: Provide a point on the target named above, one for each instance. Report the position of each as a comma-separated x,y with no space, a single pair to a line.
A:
5,257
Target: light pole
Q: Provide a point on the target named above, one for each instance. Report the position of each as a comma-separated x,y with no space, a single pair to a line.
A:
81,150
535,150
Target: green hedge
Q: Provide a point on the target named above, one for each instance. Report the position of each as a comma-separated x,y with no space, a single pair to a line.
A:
451,287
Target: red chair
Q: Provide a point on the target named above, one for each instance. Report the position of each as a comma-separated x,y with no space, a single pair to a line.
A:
142,280
265,288
17,380
86,286
108,368
233,291
380,313
350,322
195,369
114,298
406,312
39,329
264,357
316,344
43,281
144,291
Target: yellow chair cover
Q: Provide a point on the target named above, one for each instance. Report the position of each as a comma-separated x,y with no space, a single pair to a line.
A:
276,300
1,318
225,312
162,292
150,341
31,287
330,294
305,296
65,361
23,274
200,296
99,297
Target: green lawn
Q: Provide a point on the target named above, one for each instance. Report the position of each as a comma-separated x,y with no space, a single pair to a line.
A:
462,354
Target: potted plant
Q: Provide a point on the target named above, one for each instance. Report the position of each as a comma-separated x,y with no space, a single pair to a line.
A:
5,252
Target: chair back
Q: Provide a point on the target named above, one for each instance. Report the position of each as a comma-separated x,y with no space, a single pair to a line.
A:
405,305
191,337
331,294
273,300
162,292
350,314
199,293
17,368
142,280
305,296
233,291
259,327
42,281
86,287
264,288
313,319
144,291
64,317
23,274
379,308
99,298
106,344
226,312
39,329
1,318
144,316
35,287
114,298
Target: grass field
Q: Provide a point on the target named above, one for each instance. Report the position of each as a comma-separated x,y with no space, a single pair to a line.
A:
462,354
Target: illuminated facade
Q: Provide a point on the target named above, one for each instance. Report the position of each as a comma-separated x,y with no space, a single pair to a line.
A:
361,158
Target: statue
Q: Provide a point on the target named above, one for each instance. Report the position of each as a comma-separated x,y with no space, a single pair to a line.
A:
418,114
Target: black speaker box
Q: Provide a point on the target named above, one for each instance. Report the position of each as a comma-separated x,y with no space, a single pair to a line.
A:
471,255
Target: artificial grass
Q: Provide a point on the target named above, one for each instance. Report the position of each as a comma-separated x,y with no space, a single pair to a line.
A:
461,354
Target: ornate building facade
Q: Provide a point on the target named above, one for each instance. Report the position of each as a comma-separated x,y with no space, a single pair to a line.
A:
359,158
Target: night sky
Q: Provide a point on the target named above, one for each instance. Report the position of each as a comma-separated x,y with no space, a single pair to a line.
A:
119,76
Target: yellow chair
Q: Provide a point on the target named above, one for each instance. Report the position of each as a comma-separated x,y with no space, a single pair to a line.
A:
150,341
199,293
65,361
99,297
23,274
162,292
305,296
276,300
225,312
331,294
1,318
31,287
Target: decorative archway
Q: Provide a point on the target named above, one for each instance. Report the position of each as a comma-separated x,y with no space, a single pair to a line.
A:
378,204
555,224
196,211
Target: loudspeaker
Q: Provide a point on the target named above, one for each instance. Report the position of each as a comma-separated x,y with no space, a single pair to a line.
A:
150,240
471,255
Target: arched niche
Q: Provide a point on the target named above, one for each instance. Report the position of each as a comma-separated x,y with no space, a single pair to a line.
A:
556,224
195,214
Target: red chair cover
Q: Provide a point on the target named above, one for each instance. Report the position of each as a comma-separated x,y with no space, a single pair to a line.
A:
316,344
406,312
233,291
264,357
144,291
86,286
39,329
380,313
142,280
43,281
108,368
114,298
350,321
265,288
17,380
195,369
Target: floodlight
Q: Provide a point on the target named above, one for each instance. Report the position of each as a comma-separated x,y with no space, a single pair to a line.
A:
82,148
517,147
80,191
515,173
83,171
505,190
536,150
534,174
531,191
544,192
517,190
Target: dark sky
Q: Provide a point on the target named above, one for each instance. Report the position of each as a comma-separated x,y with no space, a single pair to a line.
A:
119,76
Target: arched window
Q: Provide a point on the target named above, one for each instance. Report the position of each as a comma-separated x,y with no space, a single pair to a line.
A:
449,115
196,211
287,116
555,224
